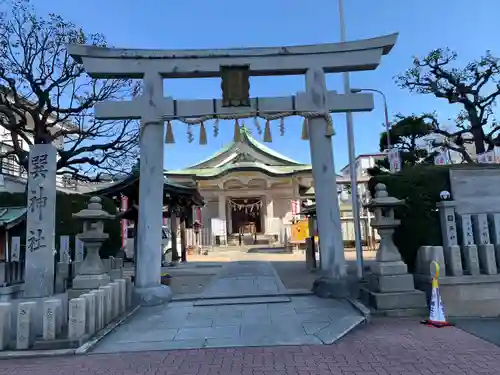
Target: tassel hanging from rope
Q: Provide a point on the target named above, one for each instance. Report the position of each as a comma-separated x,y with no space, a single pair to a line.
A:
203,134
216,128
329,132
237,134
169,135
190,133
267,132
305,129
257,125
282,126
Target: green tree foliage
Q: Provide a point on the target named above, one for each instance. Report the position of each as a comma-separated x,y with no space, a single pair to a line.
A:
420,187
407,135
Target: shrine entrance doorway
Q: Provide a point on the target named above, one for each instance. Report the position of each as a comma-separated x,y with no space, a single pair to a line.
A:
246,215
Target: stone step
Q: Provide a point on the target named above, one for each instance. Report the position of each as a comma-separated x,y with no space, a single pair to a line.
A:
242,301
401,313
197,297
414,299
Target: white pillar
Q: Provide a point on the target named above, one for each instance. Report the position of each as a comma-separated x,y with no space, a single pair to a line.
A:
269,206
222,207
148,289
222,212
327,207
269,209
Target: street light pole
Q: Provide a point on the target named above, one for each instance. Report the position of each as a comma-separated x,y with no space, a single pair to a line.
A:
352,158
386,112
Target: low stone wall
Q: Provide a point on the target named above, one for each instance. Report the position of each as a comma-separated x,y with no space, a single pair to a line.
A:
63,324
469,259
469,282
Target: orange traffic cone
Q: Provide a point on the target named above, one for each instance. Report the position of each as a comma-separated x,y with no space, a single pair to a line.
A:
437,316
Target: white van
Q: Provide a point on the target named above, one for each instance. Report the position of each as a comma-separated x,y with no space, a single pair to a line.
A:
166,244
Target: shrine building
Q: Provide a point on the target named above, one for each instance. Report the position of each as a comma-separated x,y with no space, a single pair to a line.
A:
247,187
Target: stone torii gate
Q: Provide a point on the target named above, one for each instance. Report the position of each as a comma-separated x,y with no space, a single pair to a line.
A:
153,109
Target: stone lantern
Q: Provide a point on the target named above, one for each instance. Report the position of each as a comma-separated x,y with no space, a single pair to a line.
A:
384,222
390,288
91,274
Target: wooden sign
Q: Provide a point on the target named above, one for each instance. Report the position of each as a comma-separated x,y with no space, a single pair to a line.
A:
235,86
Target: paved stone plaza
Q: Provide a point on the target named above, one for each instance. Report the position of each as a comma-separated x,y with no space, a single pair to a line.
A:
245,305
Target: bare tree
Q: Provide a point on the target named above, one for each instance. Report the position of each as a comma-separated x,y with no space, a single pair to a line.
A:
46,97
474,87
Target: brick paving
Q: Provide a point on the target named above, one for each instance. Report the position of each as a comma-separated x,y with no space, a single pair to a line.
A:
385,347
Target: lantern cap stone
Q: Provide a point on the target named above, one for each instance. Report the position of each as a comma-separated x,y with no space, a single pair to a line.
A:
93,211
383,199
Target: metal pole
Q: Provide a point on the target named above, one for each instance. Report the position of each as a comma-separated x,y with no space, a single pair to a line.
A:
352,158
387,123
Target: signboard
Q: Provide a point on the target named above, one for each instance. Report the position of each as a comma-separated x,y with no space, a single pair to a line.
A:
64,249
441,158
15,249
394,160
124,222
198,215
295,207
490,157
218,227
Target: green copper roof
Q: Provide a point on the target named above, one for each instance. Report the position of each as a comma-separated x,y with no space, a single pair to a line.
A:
216,172
245,132
11,216
291,166
246,137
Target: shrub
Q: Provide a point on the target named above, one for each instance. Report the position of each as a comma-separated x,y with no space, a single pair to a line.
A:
420,187
66,206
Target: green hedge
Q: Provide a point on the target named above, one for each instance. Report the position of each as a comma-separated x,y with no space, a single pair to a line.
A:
420,187
66,206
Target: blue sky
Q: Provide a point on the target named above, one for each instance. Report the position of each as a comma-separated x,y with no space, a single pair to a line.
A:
462,25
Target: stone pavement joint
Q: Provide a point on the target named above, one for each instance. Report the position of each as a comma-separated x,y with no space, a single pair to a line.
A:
386,347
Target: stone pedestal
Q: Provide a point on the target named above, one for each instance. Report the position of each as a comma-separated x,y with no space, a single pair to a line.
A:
390,289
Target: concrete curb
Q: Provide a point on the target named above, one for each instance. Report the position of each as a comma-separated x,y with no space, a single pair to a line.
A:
365,311
19,354
85,348
348,328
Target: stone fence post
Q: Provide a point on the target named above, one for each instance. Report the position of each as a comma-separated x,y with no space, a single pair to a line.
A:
451,249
